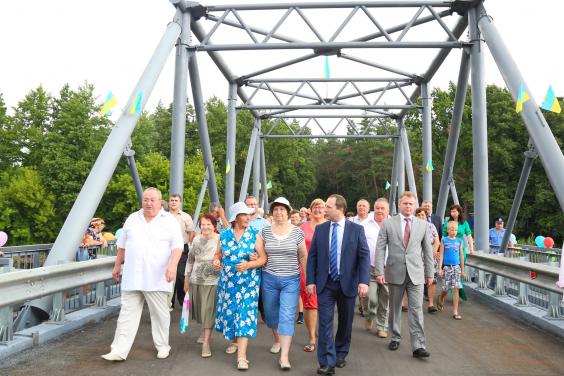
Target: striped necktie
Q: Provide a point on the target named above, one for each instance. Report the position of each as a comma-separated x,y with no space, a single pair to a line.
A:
333,253
407,232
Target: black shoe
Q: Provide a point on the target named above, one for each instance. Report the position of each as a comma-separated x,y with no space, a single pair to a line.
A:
326,370
340,363
300,318
421,353
394,345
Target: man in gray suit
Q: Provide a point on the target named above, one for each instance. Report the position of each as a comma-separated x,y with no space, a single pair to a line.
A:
409,266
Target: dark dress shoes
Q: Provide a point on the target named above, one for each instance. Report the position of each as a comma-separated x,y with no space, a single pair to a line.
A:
340,363
394,345
326,370
421,353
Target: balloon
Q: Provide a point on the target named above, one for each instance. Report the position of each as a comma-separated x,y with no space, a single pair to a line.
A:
3,238
539,241
118,233
548,242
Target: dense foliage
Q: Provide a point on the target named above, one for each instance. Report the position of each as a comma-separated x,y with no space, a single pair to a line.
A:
50,142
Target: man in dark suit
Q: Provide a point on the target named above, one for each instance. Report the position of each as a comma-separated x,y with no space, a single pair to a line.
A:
338,267
434,219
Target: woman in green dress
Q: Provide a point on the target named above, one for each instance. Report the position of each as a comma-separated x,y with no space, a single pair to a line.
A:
457,214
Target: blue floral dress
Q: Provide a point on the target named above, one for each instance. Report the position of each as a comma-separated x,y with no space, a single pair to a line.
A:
237,292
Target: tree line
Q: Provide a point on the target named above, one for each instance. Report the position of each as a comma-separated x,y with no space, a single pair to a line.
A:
50,142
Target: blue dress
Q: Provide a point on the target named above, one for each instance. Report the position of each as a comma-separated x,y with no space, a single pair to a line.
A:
237,292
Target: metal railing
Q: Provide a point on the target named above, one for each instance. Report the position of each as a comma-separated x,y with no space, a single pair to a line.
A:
73,285
530,283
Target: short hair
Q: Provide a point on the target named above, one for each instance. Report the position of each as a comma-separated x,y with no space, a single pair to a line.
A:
452,224
419,210
250,197
294,211
349,214
275,204
407,194
316,202
363,199
426,201
158,191
210,218
460,211
175,195
214,205
384,200
340,202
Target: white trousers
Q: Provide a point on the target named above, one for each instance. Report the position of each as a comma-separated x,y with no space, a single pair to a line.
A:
130,316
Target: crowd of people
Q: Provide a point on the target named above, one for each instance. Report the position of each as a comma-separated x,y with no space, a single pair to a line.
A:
302,263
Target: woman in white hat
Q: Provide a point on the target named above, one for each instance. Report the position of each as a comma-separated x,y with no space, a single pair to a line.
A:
239,281
285,248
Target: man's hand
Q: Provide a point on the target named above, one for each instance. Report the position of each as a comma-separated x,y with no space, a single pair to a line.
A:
170,273
429,281
362,290
380,279
116,273
310,289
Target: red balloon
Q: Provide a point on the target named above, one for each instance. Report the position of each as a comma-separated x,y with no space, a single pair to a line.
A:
548,242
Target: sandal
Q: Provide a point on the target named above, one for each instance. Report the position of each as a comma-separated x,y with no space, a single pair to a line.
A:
242,364
456,316
440,304
309,347
275,349
232,348
432,309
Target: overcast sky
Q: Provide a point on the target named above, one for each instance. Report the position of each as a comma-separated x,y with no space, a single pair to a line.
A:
108,44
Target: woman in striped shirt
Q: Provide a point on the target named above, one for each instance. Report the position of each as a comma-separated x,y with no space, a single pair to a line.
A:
285,247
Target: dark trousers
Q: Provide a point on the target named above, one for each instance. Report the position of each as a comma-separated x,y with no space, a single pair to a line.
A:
330,348
178,292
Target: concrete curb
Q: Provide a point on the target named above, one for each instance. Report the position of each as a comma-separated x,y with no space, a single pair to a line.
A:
37,335
531,315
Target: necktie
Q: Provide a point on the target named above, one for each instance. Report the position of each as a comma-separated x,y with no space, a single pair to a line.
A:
333,254
407,232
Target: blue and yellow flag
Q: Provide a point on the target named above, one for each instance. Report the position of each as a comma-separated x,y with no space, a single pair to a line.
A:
269,184
110,102
227,167
326,68
388,185
522,97
550,102
136,105
429,167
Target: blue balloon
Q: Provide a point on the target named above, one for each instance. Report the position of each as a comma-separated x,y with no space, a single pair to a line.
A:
120,231
539,241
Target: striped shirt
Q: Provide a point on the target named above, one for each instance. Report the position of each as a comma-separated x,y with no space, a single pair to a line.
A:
282,251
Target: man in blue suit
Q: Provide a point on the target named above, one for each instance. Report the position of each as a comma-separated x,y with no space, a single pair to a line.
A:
338,267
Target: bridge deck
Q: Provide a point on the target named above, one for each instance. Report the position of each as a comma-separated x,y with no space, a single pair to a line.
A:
483,343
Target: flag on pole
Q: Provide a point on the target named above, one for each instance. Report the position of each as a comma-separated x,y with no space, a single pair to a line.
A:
136,105
110,102
326,68
227,167
269,184
550,101
522,97
388,185
429,167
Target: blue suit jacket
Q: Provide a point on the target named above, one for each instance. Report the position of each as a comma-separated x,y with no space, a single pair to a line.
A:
354,263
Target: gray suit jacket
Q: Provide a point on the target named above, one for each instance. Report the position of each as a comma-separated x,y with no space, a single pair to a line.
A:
416,260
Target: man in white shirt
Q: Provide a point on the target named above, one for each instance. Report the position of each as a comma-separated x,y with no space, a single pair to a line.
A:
149,247
187,229
362,211
378,294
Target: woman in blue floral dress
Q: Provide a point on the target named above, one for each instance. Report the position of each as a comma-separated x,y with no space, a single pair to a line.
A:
239,281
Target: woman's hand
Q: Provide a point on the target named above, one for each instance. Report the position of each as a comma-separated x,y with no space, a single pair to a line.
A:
216,265
242,266
436,255
462,274
253,256
186,285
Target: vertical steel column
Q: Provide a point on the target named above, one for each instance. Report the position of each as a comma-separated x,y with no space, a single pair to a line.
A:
408,162
549,152
202,122
231,142
249,161
530,156
178,134
479,136
427,142
401,169
263,176
394,178
454,134
256,165
130,157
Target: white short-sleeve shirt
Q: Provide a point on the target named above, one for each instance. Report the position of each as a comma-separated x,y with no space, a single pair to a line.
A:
371,230
148,247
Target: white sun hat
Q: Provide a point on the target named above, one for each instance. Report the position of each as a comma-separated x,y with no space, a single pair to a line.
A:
239,208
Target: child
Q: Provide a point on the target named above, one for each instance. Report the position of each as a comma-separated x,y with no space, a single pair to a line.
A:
451,267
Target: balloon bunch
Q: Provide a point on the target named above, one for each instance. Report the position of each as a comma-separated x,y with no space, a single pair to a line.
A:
544,242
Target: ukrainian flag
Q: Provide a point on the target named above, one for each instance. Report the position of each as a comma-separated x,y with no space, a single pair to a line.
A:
110,102
522,97
550,101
